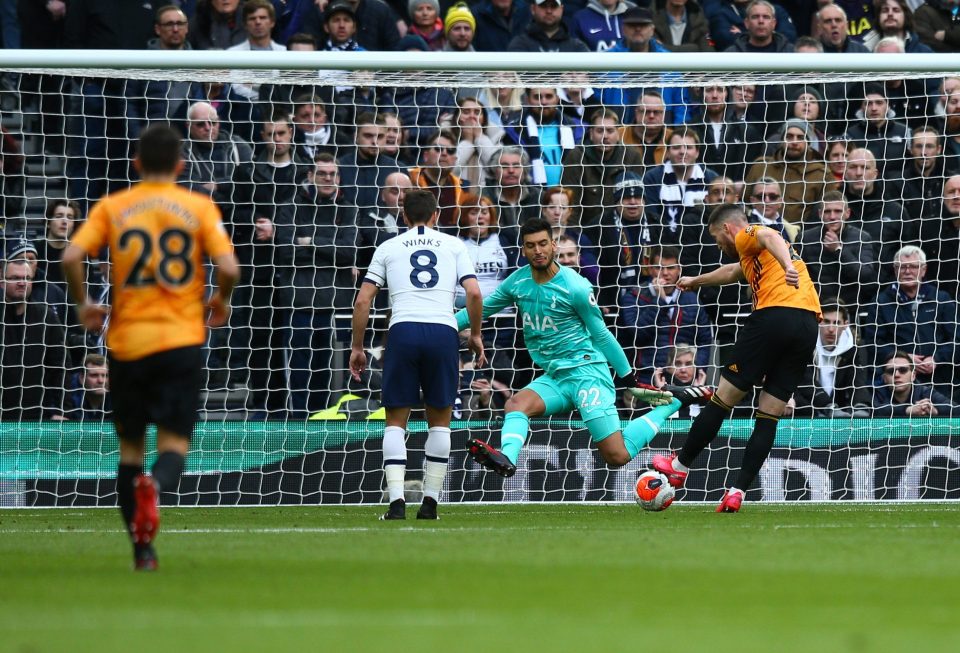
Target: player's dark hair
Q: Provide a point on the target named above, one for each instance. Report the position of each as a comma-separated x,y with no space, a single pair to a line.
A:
535,226
418,206
159,150
725,213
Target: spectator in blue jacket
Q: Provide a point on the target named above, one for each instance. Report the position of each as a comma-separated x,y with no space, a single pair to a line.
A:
291,15
915,317
422,111
599,23
546,133
728,22
498,22
89,398
901,396
662,316
895,18
638,36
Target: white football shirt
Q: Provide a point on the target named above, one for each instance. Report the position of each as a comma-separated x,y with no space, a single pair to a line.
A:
422,269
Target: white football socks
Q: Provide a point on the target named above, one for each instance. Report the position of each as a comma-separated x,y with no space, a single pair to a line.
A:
437,452
394,460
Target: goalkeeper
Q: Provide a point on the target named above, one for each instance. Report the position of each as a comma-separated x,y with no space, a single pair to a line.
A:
567,338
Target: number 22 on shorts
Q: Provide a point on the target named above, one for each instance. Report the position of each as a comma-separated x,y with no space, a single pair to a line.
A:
589,397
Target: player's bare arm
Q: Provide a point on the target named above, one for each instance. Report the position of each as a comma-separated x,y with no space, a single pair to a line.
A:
475,312
361,316
227,274
774,243
92,316
725,274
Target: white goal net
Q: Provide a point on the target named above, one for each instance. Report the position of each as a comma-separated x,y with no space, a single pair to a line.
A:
855,159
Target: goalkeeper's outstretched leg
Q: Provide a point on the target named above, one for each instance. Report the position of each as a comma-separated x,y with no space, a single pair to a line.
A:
545,397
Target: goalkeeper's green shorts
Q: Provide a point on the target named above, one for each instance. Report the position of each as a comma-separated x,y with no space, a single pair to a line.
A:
588,389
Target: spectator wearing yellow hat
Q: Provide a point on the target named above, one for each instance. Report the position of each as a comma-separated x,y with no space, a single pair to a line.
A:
459,27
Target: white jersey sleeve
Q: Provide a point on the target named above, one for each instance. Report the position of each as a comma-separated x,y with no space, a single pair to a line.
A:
465,267
421,269
377,272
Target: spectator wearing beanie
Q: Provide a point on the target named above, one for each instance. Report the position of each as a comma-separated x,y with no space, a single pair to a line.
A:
459,27
806,103
425,22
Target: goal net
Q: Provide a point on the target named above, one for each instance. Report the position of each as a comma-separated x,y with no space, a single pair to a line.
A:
852,158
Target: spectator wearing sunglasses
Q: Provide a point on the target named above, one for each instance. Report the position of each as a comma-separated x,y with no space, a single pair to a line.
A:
766,203
901,396
438,157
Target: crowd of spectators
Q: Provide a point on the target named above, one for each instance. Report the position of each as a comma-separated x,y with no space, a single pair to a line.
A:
862,179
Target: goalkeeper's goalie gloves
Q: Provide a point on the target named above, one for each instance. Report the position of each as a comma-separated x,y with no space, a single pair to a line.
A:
628,381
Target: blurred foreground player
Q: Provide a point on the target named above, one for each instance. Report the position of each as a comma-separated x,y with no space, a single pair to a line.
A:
158,235
565,333
773,349
421,268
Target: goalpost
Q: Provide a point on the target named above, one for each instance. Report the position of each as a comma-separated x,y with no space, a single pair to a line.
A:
282,423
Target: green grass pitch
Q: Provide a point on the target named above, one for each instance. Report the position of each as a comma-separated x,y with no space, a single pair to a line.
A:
811,578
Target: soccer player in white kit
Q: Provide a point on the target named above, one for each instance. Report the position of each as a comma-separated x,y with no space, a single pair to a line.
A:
421,269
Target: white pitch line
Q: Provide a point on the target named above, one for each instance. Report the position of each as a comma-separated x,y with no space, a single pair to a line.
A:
303,530
778,527
310,530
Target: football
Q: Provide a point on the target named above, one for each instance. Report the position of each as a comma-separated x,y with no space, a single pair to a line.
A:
654,492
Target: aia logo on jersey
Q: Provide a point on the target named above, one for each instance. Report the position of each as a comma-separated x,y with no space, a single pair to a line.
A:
538,323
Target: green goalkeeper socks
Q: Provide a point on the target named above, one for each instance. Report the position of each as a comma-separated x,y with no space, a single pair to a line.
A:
513,434
642,430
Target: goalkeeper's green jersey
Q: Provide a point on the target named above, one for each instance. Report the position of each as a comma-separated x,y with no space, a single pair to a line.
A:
562,325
